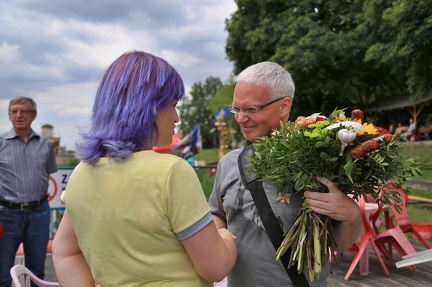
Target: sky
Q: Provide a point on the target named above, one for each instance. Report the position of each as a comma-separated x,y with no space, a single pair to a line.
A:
56,51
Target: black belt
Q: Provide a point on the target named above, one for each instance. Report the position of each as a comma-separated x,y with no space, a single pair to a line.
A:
24,206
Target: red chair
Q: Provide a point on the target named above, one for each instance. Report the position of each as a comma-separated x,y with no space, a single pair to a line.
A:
360,247
401,217
382,239
389,237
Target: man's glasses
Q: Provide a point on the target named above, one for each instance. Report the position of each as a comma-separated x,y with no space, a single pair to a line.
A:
24,112
250,110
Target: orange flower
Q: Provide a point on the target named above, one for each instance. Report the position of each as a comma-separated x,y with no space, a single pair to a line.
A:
303,121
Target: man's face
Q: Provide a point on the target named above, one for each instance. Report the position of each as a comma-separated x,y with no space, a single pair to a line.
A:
267,119
21,115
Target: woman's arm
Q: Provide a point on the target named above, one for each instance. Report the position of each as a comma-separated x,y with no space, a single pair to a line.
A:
220,223
212,251
69,263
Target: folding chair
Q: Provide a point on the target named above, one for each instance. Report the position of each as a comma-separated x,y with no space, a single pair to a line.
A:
392,236
21,277
402,217
360,247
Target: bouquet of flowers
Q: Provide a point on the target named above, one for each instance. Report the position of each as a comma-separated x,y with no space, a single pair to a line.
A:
357,156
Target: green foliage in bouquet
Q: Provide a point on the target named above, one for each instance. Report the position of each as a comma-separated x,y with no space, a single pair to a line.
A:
358,157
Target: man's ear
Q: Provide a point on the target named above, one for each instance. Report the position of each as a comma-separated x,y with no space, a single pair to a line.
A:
34,116
286,107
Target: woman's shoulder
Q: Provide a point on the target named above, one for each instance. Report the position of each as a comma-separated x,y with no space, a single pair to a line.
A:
164,159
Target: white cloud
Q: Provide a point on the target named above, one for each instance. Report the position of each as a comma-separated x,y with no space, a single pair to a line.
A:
8,53
56,51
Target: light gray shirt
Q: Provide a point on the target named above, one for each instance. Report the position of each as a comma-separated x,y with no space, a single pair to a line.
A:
256,264
25,167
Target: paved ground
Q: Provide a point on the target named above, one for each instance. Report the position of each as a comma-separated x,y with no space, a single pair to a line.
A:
49,270
420,277
401,277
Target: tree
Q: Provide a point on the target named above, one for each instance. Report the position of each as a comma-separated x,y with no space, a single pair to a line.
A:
195,110
403,33
340,53
221,99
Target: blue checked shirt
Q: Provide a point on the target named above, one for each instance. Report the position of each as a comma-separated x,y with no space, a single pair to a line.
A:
25,167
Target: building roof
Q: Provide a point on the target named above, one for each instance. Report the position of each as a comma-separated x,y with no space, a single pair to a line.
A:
397,103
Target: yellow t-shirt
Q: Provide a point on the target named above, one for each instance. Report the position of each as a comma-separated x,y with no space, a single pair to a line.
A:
126,215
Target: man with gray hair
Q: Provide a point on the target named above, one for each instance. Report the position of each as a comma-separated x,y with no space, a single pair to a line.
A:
26,161
263,96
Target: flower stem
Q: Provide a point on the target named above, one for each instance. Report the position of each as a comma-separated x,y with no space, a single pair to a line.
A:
310,240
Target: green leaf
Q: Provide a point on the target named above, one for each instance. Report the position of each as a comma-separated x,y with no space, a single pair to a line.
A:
348,167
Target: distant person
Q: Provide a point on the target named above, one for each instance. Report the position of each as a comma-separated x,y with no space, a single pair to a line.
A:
188,154
400,129
26,161
410,131
391,129
135,217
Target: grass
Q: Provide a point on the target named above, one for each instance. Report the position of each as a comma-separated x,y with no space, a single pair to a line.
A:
206,179
208,155
206,176
421,213
423,152
418,213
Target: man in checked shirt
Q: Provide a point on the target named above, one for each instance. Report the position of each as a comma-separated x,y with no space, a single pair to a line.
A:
26,161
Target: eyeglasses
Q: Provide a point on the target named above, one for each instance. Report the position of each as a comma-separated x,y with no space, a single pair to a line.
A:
24,112
250,110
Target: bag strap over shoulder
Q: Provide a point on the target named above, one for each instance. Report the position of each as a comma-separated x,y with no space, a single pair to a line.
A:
266,214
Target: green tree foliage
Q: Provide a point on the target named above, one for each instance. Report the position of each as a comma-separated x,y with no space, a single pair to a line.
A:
403,33
340,53
195,110
221,99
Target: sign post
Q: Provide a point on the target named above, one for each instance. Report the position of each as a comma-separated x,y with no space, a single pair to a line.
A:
57,183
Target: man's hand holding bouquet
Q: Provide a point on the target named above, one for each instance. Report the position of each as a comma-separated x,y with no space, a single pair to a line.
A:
358,157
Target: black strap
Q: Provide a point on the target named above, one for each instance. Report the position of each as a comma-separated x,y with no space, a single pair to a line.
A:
267,215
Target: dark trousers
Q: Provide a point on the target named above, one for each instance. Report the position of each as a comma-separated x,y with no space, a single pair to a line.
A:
31,227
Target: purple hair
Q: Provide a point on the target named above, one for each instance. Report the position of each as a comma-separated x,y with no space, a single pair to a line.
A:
133,89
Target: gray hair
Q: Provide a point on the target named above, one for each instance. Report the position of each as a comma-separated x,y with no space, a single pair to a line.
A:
20,100
277,78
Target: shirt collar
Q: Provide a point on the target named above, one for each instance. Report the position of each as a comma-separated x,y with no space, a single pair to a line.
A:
12,134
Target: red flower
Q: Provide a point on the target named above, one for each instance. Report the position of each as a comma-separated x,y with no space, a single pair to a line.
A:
382,131
321,118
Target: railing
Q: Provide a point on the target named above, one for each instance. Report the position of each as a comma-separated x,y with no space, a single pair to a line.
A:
58,182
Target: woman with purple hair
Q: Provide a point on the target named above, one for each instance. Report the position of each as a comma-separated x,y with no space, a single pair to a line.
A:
135,217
